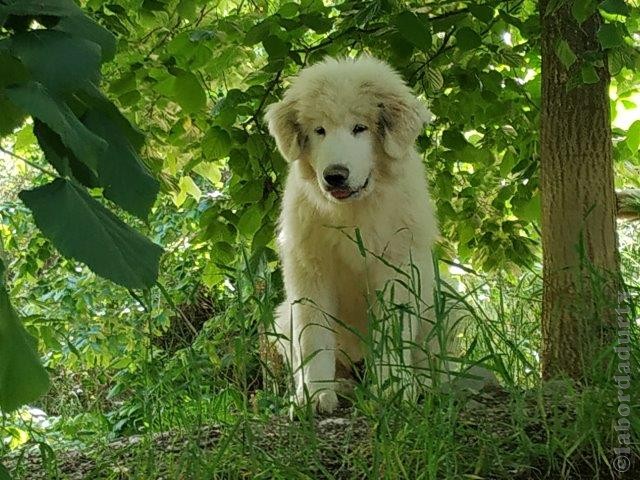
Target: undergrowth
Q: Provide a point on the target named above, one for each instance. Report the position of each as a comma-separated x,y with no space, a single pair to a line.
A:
224,403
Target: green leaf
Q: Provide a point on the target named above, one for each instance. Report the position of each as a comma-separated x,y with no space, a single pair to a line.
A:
633,137
615,7
13,71
610,35
224,252
583,9
35,99
317,22
23,379
56,60
11,117
84,27
434,78
530,210
484,13
466,231
216,143
288,10
258,32
125,179
210,171
92,96
187,9
56,8
4,473
414,29
188,186
24,139
467,39
275,47
188,92
212,275
250,192
589,74
454,140
250,221
401,48
80,227
61,158
565,54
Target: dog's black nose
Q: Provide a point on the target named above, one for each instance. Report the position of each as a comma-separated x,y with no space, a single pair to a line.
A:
336,175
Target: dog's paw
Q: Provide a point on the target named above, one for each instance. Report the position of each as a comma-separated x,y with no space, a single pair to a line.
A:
321,401
326,401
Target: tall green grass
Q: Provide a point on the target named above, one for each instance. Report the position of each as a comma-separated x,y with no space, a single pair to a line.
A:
524,429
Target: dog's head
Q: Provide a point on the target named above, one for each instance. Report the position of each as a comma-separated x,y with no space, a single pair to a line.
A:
346,121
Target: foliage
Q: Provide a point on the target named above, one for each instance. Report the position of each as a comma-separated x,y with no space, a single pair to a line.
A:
477,65
50,55
195,76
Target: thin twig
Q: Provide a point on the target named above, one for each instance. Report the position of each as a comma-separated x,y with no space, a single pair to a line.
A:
263,100
29,162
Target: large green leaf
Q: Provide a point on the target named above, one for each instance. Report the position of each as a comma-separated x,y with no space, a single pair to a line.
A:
633,136
80,227
616,7
91,95
84,27
57,60
413,29
189,93
61,158
22,377
583,9
11,117
13,71
57,115
56,8
468,39
275,47
484,13
610,35
565,54
125,179
530,210
217,143
250,221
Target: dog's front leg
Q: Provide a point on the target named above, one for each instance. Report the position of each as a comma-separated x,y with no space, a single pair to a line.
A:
313,344
394,336
402,302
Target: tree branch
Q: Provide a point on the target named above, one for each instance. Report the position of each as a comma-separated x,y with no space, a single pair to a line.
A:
628,204
29,162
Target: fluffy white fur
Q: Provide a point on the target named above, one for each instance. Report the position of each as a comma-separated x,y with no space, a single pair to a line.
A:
328,282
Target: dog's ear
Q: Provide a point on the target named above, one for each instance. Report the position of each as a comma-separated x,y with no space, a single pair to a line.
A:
401,119
282,119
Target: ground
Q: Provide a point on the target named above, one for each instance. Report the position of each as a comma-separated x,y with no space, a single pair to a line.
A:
486,437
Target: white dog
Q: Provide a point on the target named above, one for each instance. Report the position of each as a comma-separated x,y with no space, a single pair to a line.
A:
355,207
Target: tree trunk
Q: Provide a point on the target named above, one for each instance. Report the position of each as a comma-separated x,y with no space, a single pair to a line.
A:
580,259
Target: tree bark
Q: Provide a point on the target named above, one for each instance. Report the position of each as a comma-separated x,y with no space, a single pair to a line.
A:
579,242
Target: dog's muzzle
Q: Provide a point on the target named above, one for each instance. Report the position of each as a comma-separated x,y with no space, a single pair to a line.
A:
343,192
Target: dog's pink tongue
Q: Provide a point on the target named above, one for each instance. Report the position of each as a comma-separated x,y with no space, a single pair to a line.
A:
340,193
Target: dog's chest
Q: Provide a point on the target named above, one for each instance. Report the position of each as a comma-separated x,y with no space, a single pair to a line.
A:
360,240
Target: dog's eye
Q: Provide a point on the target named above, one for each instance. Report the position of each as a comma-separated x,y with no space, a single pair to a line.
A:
320,131
359,128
